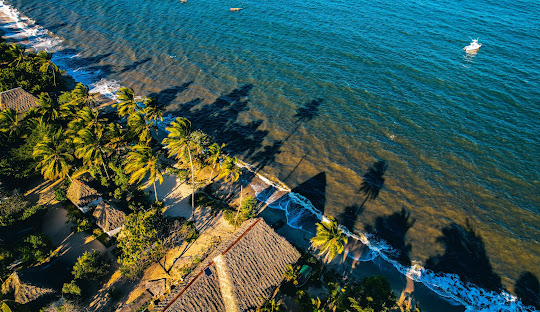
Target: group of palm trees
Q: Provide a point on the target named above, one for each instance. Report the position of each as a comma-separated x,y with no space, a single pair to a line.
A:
73,130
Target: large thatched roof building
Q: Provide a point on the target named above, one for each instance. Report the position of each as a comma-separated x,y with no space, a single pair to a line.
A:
17,99
83,195
109,218
237,275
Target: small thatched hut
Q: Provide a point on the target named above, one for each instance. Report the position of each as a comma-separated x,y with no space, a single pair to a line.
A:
17,99
82,195
109,218
238,275
36,286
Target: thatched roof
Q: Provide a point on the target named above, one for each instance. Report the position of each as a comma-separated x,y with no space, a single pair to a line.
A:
238,274
81,194
17,99
35,286
108,217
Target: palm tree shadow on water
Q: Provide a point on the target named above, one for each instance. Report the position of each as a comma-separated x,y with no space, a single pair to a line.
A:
393,229
465,255
220,119
528,290
304,114
373,181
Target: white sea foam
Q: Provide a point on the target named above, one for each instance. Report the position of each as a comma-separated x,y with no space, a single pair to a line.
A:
22,28
106,87
298,209
448,286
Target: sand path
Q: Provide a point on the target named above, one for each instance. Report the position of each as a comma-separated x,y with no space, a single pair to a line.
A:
57,226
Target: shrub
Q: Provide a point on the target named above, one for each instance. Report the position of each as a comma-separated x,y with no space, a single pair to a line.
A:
83,225
35,248
71,289
60,194
90,265
248,210
29,212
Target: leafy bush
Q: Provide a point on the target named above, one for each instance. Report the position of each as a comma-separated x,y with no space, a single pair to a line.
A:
35,248
31,211
248,210
83,225
189,232
90,265
60,194
71,289
203,199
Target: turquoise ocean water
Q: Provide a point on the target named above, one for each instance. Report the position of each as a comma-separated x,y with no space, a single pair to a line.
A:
380,81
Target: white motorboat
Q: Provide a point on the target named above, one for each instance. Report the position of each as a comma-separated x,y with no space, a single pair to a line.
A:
473,46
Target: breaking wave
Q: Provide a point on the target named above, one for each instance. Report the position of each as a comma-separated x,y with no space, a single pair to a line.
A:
25,31
301,214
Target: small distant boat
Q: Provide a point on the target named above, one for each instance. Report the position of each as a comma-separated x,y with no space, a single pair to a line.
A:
235,9
473,46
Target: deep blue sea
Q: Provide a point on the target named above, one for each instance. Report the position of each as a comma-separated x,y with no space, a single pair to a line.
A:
315,92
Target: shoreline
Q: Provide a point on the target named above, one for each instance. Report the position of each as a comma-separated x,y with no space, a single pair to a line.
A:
273,179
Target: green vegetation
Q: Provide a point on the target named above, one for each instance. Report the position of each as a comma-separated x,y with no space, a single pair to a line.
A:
139,242
330,239
20,68
248,210
90,265
71,288
35,248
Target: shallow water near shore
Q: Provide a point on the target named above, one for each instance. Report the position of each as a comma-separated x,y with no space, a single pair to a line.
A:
315,93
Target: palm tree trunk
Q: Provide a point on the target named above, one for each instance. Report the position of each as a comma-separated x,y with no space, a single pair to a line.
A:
239,208
106,172
192,180
54,78
155,192
211,173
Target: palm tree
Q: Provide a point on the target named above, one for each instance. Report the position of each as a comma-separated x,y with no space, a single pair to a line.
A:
179,142
91,147
115,136
54,155
81,96
330,239
87,118
270,305
45,59
357,307
48,108
153,110
291,274
9,123
142,160
214,155
126,102
18,53
139,128
229,169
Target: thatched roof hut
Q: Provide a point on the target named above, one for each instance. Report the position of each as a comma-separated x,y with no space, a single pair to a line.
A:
17,99
237,275
82,195
109,218
36,286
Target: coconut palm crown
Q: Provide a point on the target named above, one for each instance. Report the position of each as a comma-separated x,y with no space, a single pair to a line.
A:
330,239
53,155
